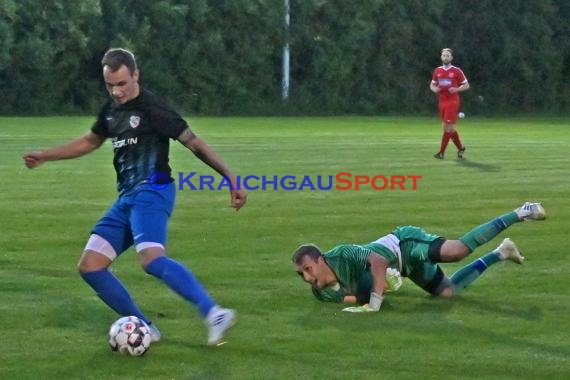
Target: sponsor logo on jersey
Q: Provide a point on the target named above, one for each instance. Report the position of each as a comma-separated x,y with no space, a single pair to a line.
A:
124,142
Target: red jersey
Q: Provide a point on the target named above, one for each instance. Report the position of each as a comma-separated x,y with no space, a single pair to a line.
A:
446,77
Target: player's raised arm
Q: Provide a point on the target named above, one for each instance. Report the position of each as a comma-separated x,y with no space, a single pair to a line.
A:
75,148
207,155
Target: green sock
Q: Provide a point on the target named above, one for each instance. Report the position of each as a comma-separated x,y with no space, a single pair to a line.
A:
485,232
469,273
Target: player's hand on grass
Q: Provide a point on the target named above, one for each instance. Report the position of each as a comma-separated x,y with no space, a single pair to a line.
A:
359,309
374,305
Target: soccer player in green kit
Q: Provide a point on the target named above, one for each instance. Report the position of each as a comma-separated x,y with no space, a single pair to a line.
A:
362,273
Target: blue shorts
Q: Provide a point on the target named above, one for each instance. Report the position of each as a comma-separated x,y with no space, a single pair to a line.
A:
140,216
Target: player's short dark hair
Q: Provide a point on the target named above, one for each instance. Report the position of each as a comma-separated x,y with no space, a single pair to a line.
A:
117,57
447,49
309,250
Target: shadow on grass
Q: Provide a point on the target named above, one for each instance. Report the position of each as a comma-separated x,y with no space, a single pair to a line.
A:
478,166
489,309
530,313
444,305
513,342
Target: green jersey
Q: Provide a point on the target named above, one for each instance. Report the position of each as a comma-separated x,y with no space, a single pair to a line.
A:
406,249
349,264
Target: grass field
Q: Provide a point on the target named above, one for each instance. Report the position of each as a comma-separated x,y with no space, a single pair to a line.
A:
511,324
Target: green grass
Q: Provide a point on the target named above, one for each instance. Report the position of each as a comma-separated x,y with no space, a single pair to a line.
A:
511,324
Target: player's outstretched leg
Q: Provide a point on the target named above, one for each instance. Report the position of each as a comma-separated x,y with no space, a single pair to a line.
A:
507,250
487,231
181,280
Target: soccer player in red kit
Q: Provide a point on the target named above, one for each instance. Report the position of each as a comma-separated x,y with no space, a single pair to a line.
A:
448,81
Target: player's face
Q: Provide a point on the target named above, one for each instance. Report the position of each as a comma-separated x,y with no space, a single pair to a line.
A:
122,86
313,272
446,58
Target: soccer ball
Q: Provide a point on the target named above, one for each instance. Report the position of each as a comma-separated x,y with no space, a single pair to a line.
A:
129,336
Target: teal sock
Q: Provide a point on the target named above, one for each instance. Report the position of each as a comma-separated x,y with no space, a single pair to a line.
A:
486,232
469,273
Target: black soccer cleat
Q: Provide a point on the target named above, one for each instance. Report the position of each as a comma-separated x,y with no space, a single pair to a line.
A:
461,152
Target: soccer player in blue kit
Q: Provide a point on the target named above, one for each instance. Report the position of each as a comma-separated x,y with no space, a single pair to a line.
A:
140,125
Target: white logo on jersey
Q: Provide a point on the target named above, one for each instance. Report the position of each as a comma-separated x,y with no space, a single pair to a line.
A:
134,121
124,142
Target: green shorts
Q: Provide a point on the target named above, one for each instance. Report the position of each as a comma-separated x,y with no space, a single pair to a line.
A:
417,246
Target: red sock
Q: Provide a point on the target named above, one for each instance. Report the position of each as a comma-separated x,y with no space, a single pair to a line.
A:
456,140
444,141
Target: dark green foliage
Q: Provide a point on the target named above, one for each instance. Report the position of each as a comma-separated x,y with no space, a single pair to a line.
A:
223,57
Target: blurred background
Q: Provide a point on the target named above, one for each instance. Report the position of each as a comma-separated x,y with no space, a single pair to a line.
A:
288,57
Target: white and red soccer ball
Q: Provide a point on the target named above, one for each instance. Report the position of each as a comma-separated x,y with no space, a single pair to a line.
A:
130,336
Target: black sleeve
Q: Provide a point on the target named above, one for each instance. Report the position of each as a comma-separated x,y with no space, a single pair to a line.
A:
166,120
100,126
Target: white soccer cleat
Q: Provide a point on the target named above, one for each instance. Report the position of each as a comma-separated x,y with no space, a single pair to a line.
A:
154,332
507,250
531,211
219,321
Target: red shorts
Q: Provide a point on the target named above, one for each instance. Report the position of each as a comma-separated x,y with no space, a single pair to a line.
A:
448,111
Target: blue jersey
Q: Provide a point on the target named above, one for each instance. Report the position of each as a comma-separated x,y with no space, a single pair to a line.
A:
140,131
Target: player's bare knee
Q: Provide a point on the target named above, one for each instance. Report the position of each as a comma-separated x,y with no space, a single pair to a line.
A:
148,252
81,266
92,261
440,285
447,292
461,250
456,255
97,254
454,250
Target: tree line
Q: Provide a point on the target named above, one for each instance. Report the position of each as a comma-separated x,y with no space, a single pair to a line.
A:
224,57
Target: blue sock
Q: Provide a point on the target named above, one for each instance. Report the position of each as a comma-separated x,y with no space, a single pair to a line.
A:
469,273
113,293
182,281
